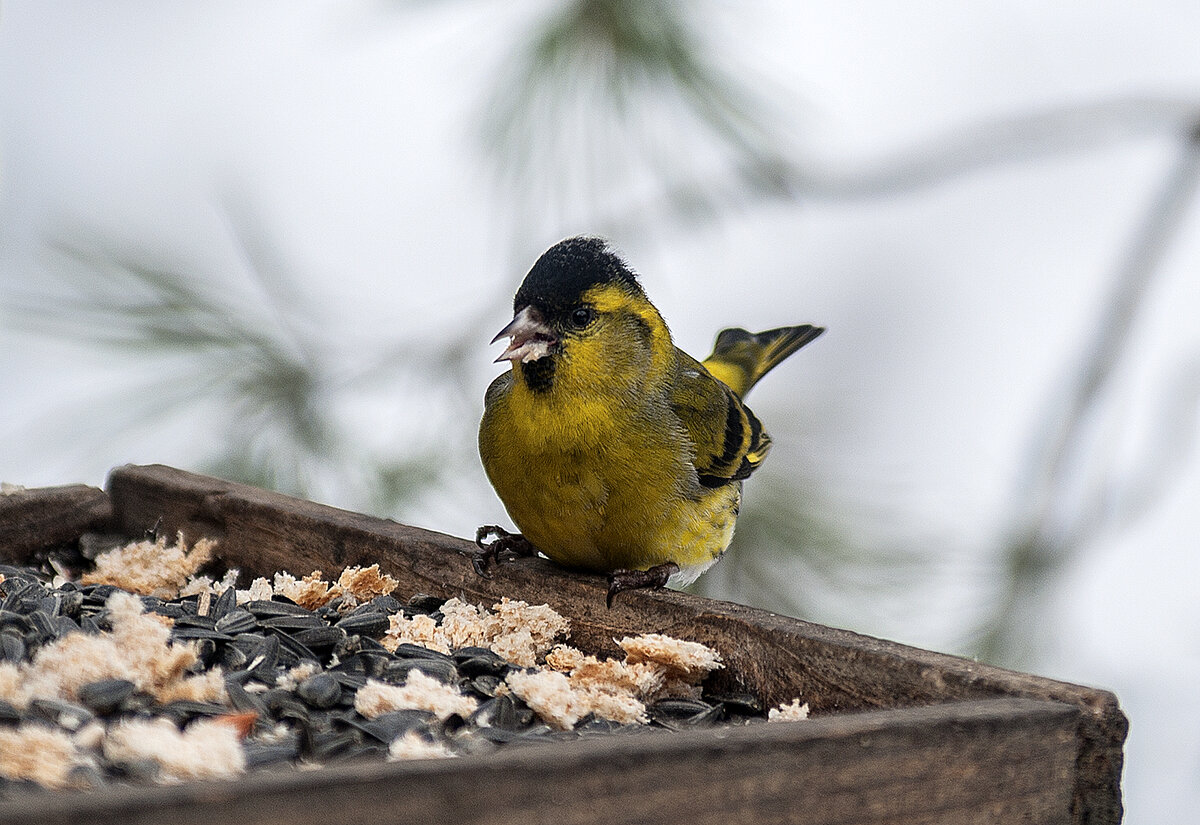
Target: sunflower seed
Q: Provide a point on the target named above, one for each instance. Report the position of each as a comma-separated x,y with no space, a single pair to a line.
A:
679,712
236,621
171,611
9,715
411,651
350,682
264,659
387,726
64,625
292,651
242,699
226,602
739,704
66,715
233,657
423,603
484,686
72,602
280,702
183,711
371,624
290,623
97,594
330,744
273,608
485,664
12,646
504,712
106,696
260,755
204,622
397,671
368,663
199,633
320,639
321,690
386,604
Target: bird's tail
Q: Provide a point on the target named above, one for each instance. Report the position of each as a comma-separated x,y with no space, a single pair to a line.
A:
740,358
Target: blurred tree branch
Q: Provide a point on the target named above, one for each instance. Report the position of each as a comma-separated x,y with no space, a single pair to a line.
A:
1049,527
608,115
1003,140
604,97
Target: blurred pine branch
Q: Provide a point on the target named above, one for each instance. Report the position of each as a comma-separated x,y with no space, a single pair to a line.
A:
605,98
612,115
1057,514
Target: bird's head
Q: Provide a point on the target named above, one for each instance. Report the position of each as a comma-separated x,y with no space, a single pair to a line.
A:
581,316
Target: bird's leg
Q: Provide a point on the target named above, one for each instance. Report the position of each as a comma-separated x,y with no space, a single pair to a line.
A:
503,546
622,580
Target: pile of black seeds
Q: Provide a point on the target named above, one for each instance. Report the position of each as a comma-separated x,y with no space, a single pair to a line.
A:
258,642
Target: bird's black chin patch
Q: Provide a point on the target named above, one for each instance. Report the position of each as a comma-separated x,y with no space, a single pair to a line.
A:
539,374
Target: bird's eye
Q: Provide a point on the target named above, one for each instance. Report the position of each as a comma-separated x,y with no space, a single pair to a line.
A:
582,316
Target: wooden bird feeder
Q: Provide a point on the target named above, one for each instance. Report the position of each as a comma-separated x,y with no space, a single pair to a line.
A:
898,735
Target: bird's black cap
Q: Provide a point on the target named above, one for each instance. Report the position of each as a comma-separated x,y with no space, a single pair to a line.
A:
570,268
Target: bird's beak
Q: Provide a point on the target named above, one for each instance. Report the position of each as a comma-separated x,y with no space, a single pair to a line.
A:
530,338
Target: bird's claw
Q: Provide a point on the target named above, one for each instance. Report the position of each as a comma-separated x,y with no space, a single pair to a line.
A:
503,546
621,580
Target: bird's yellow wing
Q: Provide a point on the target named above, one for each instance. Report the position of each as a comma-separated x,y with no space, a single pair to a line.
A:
728,439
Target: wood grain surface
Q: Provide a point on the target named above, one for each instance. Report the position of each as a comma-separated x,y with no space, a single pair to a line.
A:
34,521
997,761
923,702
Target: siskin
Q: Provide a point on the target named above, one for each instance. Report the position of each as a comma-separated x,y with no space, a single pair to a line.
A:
613,450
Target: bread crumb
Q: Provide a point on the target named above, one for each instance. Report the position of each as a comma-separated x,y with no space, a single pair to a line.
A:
419,692
10,684
260,590
205,584
361,584
642,679
309,592
656,666
419,630
522,633
412,745
561,703
201,687
206,749
791,711
354,586
90,736
462,625
39,754
566,658
688,661
138,649
519,632
549,694
151,568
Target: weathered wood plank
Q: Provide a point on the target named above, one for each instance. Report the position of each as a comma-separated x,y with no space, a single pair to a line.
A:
995,761
776,657
32,521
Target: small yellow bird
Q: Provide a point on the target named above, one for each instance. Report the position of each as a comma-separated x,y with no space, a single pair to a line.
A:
613,450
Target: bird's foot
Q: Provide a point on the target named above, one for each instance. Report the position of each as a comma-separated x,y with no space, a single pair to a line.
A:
497,544
621,580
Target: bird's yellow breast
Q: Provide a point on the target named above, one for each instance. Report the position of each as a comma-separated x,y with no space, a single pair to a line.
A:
598,485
